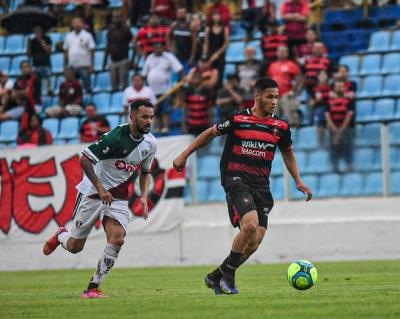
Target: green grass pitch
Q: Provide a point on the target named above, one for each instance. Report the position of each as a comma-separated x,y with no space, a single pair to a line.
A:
344,290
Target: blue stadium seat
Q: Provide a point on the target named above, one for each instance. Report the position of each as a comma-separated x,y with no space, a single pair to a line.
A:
351,184
15,69
9,131
391,86
384,109
301,158
15,44
318,162
202,190
4,63
364,110
215,147
101,39
114,120
102,82
372,86
394,133
371,64
116,103
102,102
237,32
58,80
329,185
235,52
395,183
208,166
52,126
98,60
379,41
2,43
307,138
74,141
394,157
69,128
230,68
363,159
391,63
368,135
352,61
395,43
373,184
115,3
397,112
57,62
310,180
216,192
277,164
55,37
277,187
134,31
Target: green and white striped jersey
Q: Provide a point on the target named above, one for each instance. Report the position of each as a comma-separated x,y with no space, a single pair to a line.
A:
116,157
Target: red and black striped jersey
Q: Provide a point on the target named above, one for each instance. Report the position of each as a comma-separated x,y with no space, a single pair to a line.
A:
250,146
270,44
148,35
321,92
339,108
198,104
313,66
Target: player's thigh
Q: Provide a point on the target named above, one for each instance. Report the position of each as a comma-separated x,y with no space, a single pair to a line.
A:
264,203
86,213
115,221
240,203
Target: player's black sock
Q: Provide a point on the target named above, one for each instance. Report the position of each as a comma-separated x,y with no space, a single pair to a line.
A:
232,263
216,274
92,285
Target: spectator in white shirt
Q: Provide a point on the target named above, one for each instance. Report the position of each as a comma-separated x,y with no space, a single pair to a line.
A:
158,69
79,49
137,91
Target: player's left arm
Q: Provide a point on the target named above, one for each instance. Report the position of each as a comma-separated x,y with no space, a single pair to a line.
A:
144,180
291,164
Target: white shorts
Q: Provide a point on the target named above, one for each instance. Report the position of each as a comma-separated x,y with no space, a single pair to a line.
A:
88,210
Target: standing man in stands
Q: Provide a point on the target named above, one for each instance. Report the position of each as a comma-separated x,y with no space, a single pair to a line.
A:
252,138
79,49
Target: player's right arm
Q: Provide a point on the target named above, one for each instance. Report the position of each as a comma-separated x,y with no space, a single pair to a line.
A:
87,166
203,139
103,149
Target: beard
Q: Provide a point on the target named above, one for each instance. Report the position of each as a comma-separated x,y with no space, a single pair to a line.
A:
143,129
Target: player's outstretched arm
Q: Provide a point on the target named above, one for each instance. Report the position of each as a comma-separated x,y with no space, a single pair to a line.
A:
291,164
201,140
87,166
144,182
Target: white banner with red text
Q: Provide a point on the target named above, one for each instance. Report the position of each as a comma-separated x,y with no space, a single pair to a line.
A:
37,195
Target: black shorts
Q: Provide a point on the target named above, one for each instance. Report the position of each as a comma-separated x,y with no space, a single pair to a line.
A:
243,198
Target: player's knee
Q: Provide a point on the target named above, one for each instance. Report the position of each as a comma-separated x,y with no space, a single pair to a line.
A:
249,227
118,241
74,249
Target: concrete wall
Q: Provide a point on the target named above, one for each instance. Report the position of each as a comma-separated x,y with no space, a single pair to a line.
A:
335,229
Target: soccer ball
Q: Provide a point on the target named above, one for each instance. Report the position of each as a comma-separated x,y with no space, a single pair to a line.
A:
302,274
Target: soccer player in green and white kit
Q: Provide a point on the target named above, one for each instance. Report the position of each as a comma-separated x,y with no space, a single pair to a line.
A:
109,166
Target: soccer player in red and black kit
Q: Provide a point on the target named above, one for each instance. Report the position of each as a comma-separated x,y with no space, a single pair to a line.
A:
252,137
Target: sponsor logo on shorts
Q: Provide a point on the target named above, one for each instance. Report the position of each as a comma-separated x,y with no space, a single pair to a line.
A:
266,210
120,164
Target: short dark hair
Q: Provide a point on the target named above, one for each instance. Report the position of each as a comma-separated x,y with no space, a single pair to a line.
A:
23,62
134,106
344,66
265,83
91,104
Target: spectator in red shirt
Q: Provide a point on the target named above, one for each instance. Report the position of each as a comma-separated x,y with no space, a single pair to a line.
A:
287,74
270,43
314,65
196,101
295,14
94,126
340,121
164,8
150,34
25,96
34,133
221,8
70,97
320,103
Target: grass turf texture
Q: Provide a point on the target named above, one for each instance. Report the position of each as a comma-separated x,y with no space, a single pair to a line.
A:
344,290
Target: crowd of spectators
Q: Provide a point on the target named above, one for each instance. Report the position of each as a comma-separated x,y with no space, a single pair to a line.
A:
177,39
